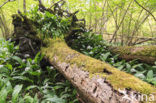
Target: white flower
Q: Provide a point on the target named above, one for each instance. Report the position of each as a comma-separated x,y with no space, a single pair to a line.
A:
39,71
23,60
26,55
133,70
89,47
5,49
1,66
102,54
27,68
32,5
91,52
51,67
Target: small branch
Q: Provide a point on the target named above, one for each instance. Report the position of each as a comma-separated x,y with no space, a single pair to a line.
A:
57,3
42,8
145,9
6,2
145,40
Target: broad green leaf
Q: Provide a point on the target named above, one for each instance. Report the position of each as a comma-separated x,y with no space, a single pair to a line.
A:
16,92
150,74
22,78
55,99
31,87
140,75
3,95
19,60
28,99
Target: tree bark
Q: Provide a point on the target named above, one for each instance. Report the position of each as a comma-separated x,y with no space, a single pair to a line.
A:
96,81
24,6
146,54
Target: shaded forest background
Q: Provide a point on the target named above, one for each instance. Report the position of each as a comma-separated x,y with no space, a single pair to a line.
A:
123,22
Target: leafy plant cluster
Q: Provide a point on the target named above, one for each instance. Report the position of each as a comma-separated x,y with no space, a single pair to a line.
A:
24,81
93,45
48,24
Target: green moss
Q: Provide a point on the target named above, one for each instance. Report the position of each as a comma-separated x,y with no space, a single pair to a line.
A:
138,51
118,79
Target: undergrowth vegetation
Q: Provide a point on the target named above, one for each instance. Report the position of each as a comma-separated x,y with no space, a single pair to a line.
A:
25,81
49,25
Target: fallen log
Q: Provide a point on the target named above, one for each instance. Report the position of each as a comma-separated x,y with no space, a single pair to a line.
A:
96,81
146,54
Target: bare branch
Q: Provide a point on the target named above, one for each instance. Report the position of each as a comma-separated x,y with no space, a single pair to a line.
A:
42,8
145,9
58,3
143,40
6,2
115,33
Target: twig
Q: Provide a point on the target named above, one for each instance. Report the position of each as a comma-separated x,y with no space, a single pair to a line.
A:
42,8
56,3
145,40
6,2
146,10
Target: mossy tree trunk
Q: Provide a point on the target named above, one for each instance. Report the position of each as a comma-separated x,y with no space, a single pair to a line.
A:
96,81
146,54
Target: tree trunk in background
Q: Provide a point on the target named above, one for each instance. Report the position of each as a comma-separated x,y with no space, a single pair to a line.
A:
146,54
3,26
24,6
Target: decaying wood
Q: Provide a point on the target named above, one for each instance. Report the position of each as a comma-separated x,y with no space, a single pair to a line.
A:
146,54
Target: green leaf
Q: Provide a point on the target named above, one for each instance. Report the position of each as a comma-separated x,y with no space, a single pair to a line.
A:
9,66
150,74
105,56
55,99
23,78
19,60
140,75
3,95
128,66
28,99
4,70
36,100
16,92
31,87
38,57
120,67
